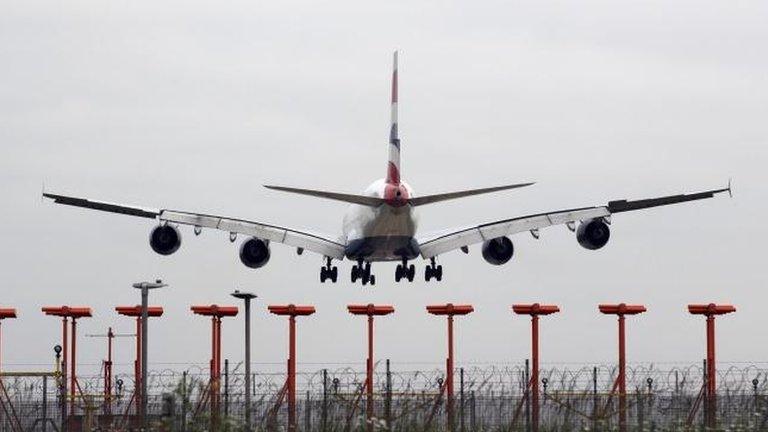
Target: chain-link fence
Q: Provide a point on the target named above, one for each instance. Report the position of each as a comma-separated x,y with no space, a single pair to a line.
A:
486,398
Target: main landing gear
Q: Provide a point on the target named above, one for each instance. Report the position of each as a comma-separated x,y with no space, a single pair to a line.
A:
405,271
328,272
362,271
433,271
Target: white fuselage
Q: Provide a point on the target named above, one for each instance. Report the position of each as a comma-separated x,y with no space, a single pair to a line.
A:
384,233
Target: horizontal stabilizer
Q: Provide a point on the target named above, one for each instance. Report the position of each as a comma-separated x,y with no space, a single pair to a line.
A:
429,199
348,198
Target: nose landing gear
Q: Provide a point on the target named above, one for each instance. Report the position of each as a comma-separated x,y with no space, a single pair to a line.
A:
433,271
405,271
362,271
328,272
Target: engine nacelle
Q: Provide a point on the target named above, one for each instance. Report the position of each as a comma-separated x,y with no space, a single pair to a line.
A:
593,234
165,239
498,251
254,252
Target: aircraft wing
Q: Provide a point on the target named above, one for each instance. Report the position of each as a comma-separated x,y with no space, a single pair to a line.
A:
287,236
447,241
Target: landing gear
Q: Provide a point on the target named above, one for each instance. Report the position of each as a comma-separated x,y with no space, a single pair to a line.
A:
405,271
329,272
433,271
362,271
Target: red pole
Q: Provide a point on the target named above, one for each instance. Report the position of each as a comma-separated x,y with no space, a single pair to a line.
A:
369,375
370,310
292,374
535,372
622,377
137,371
449,374
534,310
711,377
218,367
73,375
710,311
450,310
65,362
290,382
621,310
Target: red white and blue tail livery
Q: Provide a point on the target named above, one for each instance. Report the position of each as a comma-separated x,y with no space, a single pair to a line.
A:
381,225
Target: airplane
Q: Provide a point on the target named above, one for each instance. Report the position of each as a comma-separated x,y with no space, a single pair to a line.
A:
380,224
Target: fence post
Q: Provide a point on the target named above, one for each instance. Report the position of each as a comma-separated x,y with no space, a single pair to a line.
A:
526,393
461,399
595,399
226,388
388,400
45,403
704,377
184,401
472,418
640,406
324,411
307,413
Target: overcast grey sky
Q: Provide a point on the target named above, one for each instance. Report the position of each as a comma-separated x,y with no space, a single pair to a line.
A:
194,105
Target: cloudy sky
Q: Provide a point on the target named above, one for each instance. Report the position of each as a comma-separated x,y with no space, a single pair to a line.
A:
194,105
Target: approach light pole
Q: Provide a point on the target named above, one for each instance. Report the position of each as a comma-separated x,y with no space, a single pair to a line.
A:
145,287
247,297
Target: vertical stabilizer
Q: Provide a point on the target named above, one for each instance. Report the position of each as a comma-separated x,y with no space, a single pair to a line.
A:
393,167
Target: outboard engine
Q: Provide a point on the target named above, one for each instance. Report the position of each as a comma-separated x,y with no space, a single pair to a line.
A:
498,251
593,234
165,239
254,252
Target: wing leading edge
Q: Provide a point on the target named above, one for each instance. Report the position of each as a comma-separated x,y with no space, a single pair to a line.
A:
431,247
295,238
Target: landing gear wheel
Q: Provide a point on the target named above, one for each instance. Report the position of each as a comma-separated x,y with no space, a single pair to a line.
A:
373,279
398,273
334,274
323,274
433,271
411,273
355,273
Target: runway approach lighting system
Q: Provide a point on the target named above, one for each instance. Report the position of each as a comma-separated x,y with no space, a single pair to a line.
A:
710,311
289,388
370,310
216,313
135,312
450,310
621,310
246,297
70,353
534,310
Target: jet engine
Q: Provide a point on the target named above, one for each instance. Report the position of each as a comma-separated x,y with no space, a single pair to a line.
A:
254,252
165,239
498,251
593,234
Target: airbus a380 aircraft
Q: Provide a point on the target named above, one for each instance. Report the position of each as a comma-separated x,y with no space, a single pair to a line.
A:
380,224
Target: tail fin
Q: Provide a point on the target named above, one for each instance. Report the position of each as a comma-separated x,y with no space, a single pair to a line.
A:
393,167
